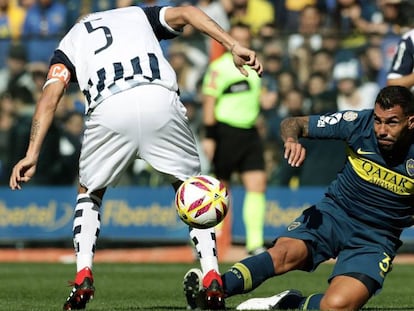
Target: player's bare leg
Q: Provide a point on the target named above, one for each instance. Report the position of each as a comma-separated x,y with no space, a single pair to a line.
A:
345,293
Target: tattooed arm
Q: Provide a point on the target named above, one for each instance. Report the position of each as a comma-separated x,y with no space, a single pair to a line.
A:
24,170
291,130
178,17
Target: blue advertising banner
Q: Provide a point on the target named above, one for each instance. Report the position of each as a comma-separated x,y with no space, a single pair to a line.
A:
136,213
127,213
283,206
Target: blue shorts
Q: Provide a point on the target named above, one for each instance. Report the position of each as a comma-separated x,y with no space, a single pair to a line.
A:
331,233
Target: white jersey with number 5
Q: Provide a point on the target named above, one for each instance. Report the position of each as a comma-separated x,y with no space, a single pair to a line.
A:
105,58
132,102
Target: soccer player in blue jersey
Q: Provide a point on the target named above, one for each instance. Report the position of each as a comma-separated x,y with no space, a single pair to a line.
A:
133,110
359,220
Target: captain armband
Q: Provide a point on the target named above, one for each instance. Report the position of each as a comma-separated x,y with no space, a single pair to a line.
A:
57,72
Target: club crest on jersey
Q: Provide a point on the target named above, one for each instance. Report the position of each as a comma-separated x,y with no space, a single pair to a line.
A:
350,116
409,166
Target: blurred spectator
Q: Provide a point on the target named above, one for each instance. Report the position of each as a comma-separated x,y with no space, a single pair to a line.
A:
323,63
102,5
348,18
187,74
254,13
11,19
197,50
7,118
289,12
266,35
272,158
75,9
71,131
353,94
144,3
62,143
292,104
44,25
286,81
300,63
319,94
274,52
331,41
14,78
371,64
125,3
308,33
273,64
192,103
391,17
48,165
38,71
305,40
11,23
216,10
26,4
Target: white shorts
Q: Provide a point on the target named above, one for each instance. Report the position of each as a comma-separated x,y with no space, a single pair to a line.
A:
147,122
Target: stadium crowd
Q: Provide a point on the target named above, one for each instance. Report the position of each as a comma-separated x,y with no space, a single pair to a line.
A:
319,56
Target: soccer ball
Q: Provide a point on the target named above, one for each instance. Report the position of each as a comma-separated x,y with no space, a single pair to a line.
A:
202,201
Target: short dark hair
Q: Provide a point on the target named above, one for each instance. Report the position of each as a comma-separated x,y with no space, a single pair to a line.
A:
396,95
239,24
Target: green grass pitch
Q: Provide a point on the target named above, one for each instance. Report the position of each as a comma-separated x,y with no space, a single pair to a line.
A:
43,286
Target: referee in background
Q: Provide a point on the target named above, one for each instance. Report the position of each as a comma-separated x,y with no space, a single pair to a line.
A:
231,106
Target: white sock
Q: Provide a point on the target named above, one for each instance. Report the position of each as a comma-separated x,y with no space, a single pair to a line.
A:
86,227
205,243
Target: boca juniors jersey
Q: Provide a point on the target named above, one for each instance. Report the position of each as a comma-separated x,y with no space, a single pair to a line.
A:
369,189
111,51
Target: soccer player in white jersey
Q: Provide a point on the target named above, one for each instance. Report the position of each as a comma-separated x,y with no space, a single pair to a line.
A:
132,111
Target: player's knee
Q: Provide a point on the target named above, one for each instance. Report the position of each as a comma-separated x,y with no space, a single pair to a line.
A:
338,302
288,254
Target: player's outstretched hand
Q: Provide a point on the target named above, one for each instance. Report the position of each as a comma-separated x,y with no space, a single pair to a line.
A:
23,171
295,153
243,56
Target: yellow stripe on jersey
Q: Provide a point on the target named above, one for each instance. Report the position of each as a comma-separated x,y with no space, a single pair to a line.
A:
382,177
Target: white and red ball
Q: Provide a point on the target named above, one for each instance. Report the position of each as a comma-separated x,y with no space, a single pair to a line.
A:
202,201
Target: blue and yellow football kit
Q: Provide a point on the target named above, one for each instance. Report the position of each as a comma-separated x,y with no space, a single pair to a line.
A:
361,217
